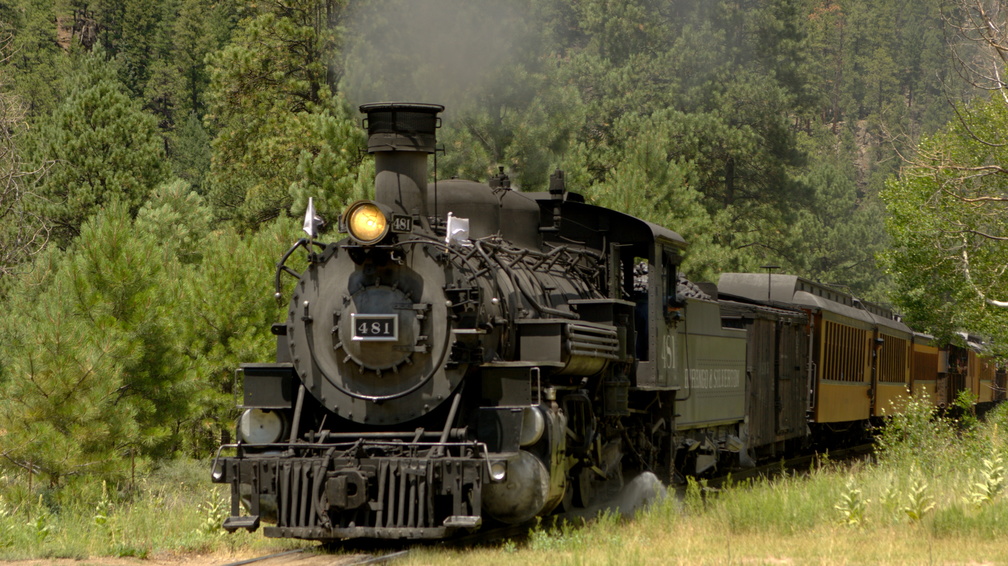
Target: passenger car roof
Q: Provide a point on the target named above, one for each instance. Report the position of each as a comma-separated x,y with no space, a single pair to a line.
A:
791,290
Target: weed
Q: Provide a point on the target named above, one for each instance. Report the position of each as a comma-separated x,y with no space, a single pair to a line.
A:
695,490
42,527
103,509
6,525
566,537
124,550
821,463
919,501
852,505
916,436
991,484
998,420
214,510
964,404
889,498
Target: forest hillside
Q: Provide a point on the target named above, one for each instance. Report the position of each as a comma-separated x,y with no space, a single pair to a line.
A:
157,157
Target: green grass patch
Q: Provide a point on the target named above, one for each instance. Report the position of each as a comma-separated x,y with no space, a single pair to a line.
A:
172,509
937,492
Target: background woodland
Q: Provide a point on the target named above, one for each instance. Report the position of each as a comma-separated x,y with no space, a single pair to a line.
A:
156,158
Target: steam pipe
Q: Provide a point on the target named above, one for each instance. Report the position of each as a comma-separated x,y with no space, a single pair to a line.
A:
448,425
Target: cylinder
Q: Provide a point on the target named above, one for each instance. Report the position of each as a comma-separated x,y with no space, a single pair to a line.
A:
523,492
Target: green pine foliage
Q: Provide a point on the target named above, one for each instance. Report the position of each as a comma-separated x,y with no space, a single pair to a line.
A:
839,238
659,176
181,139
102,148
226,302
125,345
281,130
189,151
179,219
32,60
91,374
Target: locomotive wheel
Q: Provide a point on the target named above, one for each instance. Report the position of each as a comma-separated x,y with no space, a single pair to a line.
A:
568,498
590,489
584,487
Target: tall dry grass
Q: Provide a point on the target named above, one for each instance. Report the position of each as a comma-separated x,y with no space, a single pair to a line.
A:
934,494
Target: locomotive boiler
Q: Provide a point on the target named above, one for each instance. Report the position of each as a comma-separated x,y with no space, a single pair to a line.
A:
470,355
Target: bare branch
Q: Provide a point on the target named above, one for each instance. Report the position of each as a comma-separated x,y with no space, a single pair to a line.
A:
973,285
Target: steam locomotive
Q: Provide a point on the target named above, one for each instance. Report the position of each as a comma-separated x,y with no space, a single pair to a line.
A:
471,355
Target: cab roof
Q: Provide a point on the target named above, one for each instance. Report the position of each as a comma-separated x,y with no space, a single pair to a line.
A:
586,222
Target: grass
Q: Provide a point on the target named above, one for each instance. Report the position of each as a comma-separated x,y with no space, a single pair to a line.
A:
935,494
175,509
789,520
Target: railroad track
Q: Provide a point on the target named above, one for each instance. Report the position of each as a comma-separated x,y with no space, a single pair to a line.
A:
796,463
319,556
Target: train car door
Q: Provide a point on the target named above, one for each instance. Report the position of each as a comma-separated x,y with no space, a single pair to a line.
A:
669,311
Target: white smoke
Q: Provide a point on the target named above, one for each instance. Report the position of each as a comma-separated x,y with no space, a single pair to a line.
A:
638,493
436,51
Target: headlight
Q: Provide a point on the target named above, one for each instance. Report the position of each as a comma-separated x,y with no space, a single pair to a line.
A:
366,222
259,426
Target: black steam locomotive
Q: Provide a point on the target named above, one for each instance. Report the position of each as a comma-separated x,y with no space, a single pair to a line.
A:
473,355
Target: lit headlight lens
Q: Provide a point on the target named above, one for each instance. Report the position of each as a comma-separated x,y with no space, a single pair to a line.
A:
366,222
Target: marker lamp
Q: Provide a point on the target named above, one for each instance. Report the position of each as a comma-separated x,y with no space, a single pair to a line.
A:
366,222
498,470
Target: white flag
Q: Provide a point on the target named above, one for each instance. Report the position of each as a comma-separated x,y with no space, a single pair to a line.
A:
458,230
312,221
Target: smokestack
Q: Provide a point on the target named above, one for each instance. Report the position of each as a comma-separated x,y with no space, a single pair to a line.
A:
401,135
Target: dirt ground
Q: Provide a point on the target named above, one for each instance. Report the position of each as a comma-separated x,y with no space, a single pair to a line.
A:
294,558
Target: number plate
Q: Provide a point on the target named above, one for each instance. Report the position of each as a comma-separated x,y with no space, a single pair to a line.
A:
375,327
401,223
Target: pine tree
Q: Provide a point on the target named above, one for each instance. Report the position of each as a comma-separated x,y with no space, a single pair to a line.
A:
279,124
225,308
104,149
92,377
189,151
